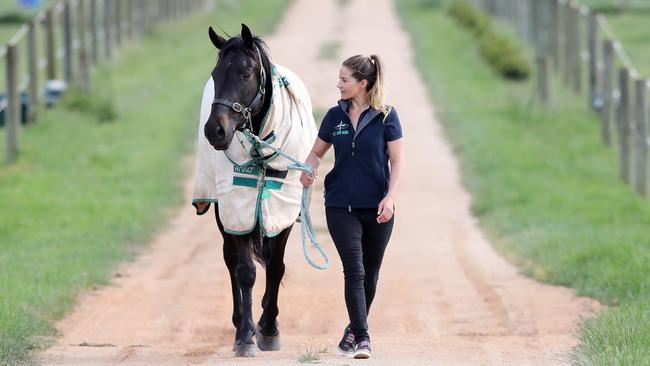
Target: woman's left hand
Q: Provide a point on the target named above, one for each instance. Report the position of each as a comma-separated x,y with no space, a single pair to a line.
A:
385,210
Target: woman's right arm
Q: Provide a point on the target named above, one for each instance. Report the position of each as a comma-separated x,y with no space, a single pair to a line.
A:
314,159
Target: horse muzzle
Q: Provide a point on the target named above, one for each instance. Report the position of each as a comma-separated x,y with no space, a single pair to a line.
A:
217,136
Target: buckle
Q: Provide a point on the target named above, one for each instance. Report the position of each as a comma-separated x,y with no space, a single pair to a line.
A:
246,112
237,107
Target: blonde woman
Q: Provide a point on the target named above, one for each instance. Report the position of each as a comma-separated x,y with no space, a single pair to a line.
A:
360,190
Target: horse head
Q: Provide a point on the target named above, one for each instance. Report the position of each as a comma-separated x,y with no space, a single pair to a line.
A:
241,78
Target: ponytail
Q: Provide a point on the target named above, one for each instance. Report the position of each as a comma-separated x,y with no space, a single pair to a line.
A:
371,69
377,93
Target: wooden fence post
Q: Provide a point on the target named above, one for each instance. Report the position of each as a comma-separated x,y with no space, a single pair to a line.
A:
117,18
576,48
129,19
641,134
32,54
94,25
543,79
50,44
84,60
568,43
555,22
67,42
560,33
624,125
608,92
12,111
593,60
108,34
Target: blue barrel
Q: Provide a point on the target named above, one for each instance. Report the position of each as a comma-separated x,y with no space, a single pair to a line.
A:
24,102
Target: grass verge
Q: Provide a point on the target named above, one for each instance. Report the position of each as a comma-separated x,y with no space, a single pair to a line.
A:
545,188
86,195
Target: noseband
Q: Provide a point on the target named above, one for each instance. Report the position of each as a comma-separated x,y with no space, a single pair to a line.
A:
240,108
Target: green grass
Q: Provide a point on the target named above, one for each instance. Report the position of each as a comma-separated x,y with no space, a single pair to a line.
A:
12,16
544,187
86,195
631,27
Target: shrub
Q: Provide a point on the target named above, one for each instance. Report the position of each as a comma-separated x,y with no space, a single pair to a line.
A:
102,107
505,56
470,17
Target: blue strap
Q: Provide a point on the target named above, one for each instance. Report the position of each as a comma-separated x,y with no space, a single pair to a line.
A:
305,218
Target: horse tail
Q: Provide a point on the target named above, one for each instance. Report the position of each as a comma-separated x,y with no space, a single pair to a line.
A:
257,241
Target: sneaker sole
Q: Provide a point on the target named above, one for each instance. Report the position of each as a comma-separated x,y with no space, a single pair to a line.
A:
361,355
344,353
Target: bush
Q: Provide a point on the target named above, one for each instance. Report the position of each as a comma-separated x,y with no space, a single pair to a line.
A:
102,107
13,18
505,56
470,17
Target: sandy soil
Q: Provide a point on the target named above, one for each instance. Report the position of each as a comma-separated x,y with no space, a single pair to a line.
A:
444,297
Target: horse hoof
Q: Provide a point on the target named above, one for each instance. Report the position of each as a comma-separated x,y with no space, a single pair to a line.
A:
245,350
268,343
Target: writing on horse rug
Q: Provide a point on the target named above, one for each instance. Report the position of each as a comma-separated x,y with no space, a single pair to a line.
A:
253,184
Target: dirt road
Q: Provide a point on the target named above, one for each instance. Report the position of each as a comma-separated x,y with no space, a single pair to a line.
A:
444,297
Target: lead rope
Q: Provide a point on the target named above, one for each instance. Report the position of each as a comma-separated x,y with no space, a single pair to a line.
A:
305,219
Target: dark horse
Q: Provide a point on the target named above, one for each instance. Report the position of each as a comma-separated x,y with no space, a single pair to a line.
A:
242,87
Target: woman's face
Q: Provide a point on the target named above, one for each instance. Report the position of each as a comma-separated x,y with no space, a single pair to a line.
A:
348,85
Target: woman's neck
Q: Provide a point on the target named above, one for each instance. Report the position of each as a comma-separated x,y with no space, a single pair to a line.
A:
360,102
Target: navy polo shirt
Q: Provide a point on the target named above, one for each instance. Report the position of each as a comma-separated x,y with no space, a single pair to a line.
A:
361,174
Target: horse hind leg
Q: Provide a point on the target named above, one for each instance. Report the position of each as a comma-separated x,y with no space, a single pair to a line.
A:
268,334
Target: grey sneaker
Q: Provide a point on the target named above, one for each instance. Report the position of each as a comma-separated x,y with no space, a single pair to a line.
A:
362,350
346,345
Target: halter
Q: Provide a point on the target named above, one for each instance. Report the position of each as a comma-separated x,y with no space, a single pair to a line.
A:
259,98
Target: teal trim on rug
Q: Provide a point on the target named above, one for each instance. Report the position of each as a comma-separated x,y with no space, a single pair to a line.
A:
211,200
246,182
233,232
273,184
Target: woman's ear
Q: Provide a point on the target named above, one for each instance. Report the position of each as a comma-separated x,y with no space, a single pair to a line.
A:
363,84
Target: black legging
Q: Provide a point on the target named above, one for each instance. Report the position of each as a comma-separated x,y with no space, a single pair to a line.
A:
361,243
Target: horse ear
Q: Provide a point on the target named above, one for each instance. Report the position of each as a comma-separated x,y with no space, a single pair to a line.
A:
216,40
246,35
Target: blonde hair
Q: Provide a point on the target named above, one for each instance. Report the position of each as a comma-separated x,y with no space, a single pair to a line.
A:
370,69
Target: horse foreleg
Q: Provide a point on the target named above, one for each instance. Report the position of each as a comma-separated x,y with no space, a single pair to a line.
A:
245,274
230,257
268,334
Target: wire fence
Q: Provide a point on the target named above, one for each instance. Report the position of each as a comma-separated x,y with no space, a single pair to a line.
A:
577,45
58,47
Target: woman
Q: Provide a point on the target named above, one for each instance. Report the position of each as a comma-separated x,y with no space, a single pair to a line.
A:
360,190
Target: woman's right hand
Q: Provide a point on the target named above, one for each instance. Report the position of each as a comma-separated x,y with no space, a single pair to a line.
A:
306,179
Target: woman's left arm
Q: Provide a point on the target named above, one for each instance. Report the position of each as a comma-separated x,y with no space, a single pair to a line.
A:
386,206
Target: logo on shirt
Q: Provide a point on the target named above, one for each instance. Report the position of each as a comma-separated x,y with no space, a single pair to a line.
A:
341,129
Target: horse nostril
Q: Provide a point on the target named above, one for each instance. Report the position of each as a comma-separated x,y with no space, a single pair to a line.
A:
220,131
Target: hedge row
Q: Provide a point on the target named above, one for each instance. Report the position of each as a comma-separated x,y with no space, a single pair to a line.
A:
499,51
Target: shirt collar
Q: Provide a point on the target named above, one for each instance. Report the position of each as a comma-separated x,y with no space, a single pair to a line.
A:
366,116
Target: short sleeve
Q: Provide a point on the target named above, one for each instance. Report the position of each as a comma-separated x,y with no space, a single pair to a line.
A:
393,129
325,131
